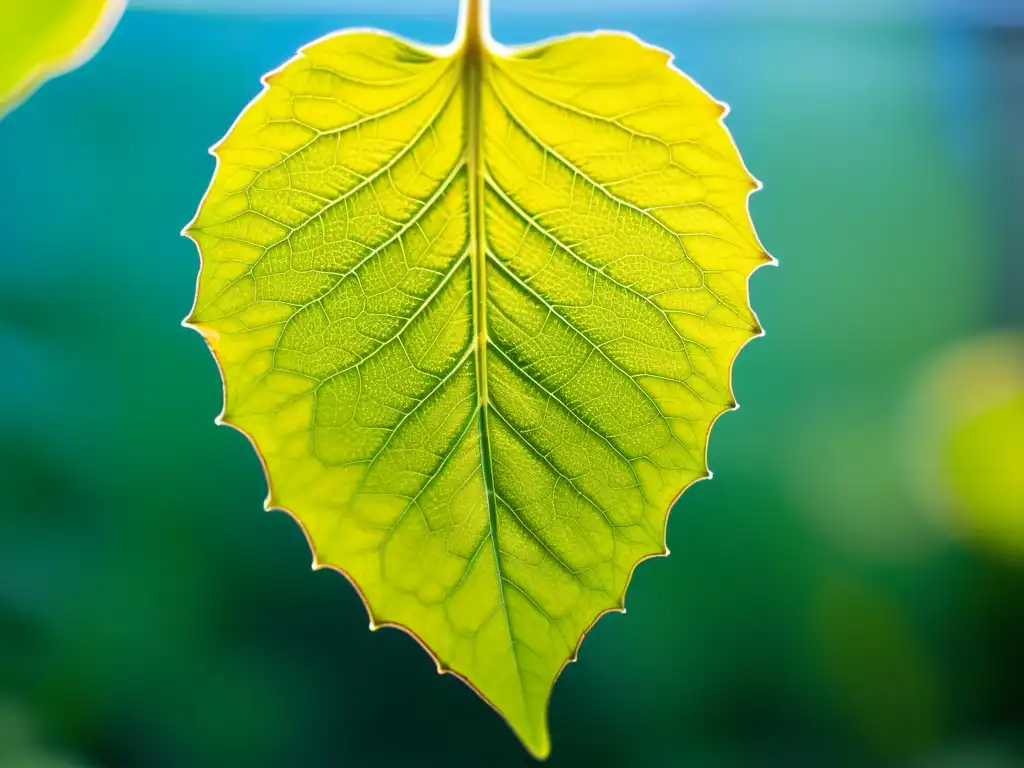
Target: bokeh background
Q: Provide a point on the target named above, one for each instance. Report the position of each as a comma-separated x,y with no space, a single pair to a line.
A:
847,591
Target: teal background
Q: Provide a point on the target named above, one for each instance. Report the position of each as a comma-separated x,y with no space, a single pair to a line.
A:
814,611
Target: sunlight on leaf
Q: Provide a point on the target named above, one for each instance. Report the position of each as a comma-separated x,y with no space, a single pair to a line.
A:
40,39
477,308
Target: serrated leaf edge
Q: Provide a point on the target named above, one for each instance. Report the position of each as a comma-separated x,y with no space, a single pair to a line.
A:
210,337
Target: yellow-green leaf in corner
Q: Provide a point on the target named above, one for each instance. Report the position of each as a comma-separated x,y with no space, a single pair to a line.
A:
477,308
40,39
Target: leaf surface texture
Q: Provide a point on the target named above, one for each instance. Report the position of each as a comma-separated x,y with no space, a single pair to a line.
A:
477,310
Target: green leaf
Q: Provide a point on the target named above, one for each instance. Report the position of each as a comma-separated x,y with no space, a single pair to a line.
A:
966,440
476,308
40,39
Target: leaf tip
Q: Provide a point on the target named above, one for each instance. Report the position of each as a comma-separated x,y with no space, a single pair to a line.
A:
542,750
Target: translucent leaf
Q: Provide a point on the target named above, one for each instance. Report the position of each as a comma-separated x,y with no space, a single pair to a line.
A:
40,39
477,308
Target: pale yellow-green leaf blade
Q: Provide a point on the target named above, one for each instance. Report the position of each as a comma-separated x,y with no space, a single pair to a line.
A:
40,39
477,310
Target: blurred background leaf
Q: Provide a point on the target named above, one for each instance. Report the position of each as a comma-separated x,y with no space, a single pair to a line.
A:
826,603
40,39
967,440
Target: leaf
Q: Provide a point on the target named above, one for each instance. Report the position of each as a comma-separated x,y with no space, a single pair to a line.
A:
477,309
966,440
40,39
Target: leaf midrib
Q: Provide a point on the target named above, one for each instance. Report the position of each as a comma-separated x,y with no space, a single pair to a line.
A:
474,57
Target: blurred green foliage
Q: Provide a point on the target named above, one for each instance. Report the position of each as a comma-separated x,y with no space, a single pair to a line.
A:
983,460
812,611
968,424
